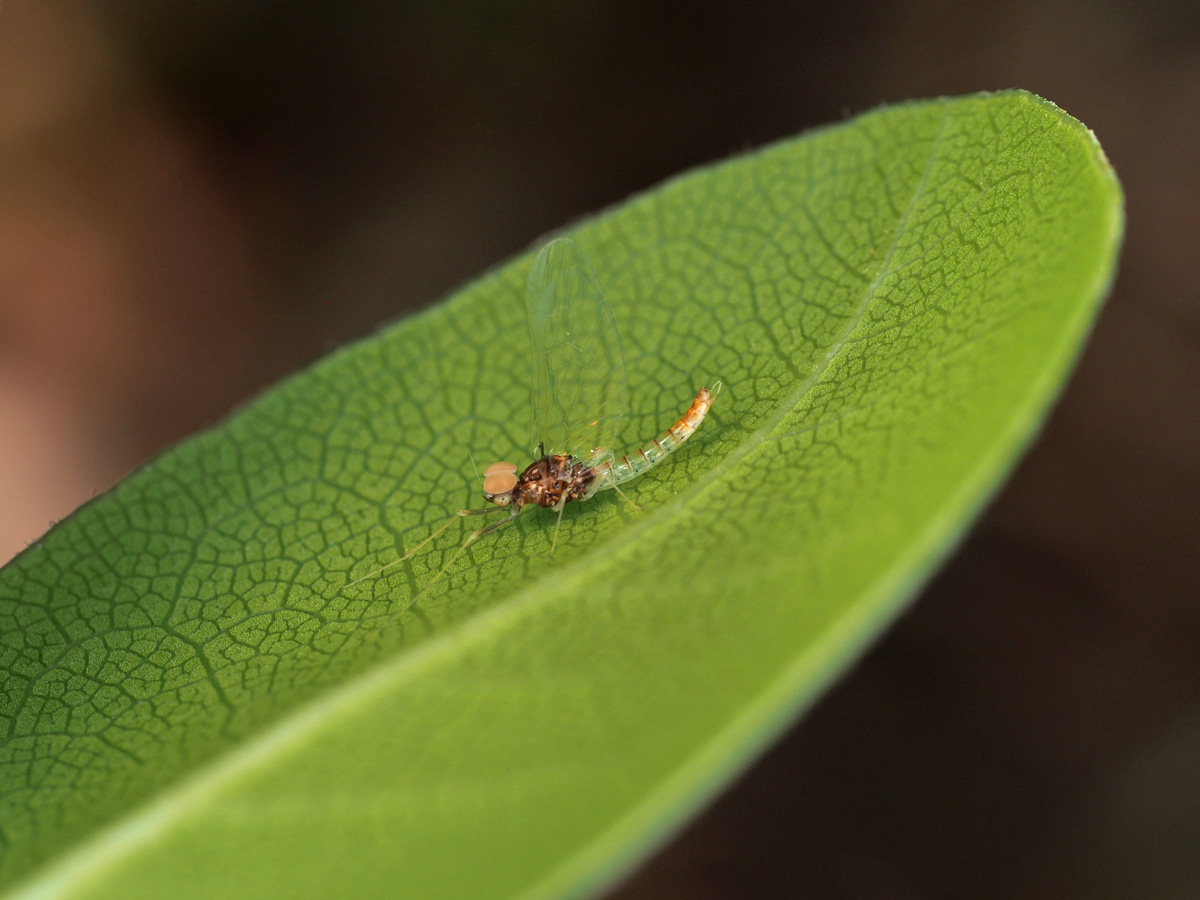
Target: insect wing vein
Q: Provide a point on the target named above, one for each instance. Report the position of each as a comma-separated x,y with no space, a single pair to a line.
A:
580,395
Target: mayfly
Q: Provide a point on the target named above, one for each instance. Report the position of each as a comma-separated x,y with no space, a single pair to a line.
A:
579,399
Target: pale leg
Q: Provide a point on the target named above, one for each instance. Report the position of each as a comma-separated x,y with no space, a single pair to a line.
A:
409,555
560,506
471,538
625,497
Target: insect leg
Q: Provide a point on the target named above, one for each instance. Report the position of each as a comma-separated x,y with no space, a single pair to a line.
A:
409,555
562,504
471,538
625,497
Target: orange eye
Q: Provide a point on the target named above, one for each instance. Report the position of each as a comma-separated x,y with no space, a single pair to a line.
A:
499,482
499,467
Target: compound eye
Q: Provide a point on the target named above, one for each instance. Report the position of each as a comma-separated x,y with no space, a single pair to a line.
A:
499,482
499,467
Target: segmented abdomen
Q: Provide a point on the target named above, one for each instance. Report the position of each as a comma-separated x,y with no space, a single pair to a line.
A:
622,468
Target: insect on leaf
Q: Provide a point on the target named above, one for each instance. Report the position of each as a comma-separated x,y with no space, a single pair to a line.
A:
193,706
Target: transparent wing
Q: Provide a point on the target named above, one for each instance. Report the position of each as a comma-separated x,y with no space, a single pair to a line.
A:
579,389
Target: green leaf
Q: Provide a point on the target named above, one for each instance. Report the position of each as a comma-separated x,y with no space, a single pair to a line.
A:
195,704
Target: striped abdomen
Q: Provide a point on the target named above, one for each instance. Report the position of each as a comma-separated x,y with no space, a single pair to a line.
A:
618,469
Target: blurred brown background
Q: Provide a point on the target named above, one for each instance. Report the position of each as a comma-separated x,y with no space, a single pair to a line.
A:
196,199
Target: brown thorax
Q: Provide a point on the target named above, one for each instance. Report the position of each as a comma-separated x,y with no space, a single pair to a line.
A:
549,481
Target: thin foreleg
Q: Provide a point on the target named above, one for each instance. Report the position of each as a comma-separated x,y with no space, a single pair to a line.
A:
471,538
411,553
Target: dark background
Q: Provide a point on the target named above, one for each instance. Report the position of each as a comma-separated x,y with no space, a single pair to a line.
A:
196,199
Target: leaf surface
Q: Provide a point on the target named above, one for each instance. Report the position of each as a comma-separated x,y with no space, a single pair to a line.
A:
197,704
